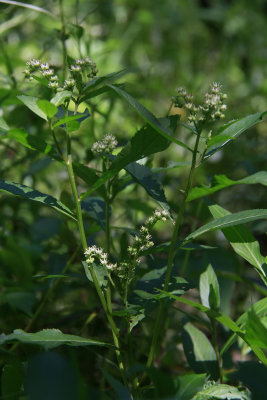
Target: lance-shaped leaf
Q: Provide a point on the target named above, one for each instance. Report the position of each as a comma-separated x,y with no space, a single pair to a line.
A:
209,289
233,129
147,116
220,182
239,218
49,339
31,103
3,125
29,193
242,241
144,143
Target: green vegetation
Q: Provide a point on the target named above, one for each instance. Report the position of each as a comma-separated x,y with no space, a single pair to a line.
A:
133,229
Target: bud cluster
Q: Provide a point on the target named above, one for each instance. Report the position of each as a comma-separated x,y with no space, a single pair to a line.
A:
93,252
143,241
212,108
81,65
46,71
106,145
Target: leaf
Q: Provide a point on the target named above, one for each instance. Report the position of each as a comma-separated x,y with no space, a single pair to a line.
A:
238,218
49,339
31,103
199,352
3,125
220,317
144,143
33,142
100,272
23,301
146,178
209,289
220,182
147,116
234,129
70,118
222,392
121,390
256,331
189,385
29,193
30,6
95,207
11,381
48,108
60,97
242,241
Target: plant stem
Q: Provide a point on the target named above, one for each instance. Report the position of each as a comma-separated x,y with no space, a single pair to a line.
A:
215,346
63,38
172,251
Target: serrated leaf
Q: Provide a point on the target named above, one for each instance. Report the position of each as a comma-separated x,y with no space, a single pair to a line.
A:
222,392
29,193
209,289
199,352
242,241
49,339
234,129
144,143
60,97
147,116
241,217
220,182
48,108
31,103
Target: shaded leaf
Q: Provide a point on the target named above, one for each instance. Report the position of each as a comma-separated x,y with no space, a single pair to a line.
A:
209,289
3,125
241,217
48,108
29,193
189,385
199,352
95,207
49,339
256,331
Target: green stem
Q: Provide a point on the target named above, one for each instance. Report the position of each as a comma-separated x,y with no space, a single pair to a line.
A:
63,38
172,251
215,346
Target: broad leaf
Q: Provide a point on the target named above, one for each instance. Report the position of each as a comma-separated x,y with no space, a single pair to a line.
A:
60,97
95,207
242,241
100,272
70,118
222,392
29,193
241,217
144,143
3,125
220,182
189,385
234,129
199,352
48,108
31,103
256,331
49,339
147,116
209,289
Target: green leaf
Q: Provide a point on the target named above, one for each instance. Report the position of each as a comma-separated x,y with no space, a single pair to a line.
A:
48,108
147,116
189,385
23,301
65,120
209,289
234,129
100,272
222,392
241,217
242,241
29,6
33,142
220,317
3,125
220,182
199,352
29,193
95,207
150,182
11,381
100,81
256,331
60,97
49,339
144,143
31,103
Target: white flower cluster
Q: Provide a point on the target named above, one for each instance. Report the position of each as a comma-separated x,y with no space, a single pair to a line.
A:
84,64
93,252
143,241
47,72
213,107
106,145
